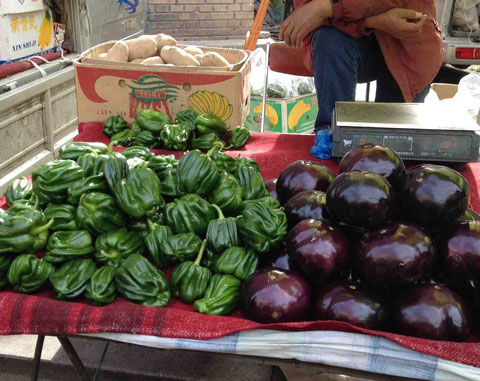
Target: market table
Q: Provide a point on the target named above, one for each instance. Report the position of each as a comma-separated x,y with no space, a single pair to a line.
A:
178,326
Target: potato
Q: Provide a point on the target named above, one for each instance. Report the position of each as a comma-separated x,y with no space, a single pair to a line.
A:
193,50
214,59
102,56
153,61
141,47
118,52
164,40
138,60
176,56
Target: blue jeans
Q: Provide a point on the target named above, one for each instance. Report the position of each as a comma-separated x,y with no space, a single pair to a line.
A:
340,62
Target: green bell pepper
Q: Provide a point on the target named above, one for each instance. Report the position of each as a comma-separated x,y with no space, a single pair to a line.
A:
99,213
261,227
71,279
180,247
101,287
238,262
21,205
251,182
137,151
52,180
153,239
140,225
227,194
87,163
63,217
95,183
3,216
187,118
222,232
205,142
27,231
209,258
159,164
111,248
189,214
124,138
197,173
169,184
150,120
221,297
114,125
75,149
175,137
136,162
207,123
66,245
239,138
267,200
20,189
141,282
138,195
224,162
189,280
5,263
28,274
135,128
146,139
115,168
245,162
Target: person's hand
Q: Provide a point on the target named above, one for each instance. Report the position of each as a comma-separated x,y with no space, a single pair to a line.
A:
304,20
398,22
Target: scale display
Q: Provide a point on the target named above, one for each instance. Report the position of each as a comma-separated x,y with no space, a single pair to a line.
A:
407,129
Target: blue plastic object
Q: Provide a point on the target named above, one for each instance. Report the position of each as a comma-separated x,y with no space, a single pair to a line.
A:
323,145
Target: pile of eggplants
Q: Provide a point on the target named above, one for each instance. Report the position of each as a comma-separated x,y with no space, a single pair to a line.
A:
108,224
375,246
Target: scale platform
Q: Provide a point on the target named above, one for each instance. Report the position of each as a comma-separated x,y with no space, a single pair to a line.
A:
416,131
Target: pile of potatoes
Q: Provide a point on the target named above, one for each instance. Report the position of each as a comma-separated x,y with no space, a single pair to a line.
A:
161,50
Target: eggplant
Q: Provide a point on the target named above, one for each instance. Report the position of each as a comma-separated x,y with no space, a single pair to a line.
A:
433,196
276,296
432,312
300,176
377,159
459,249
277,257
272,188
318,250
397,255
351,303
361,199
306,205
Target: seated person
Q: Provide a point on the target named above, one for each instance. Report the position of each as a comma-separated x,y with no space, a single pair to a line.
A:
398,43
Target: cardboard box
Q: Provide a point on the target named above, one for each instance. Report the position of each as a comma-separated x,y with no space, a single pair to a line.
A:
289,115
20,6
446,91
25,34
106,88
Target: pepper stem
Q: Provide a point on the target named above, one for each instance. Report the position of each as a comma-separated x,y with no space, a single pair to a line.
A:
151,225
86,205
200,252
228,147
41,229
110,146
219,211
217,147
34,196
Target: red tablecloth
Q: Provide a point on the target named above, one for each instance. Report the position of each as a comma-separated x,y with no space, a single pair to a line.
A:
42,314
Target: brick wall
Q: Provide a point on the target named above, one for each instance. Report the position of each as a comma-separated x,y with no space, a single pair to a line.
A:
200,19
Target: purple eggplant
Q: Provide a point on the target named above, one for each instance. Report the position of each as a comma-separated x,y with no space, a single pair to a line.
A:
277,257
276,296
306,205
459,250
395,256
300,176
432,312
318,250
352,303
272,188
434,196
359,198
377,159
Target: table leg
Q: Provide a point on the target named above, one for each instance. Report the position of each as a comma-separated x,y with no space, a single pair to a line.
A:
74,359
37,358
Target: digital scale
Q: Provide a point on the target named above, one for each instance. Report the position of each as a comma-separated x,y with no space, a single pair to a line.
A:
429,133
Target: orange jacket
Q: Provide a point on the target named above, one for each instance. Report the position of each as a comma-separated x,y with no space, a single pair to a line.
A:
414,62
